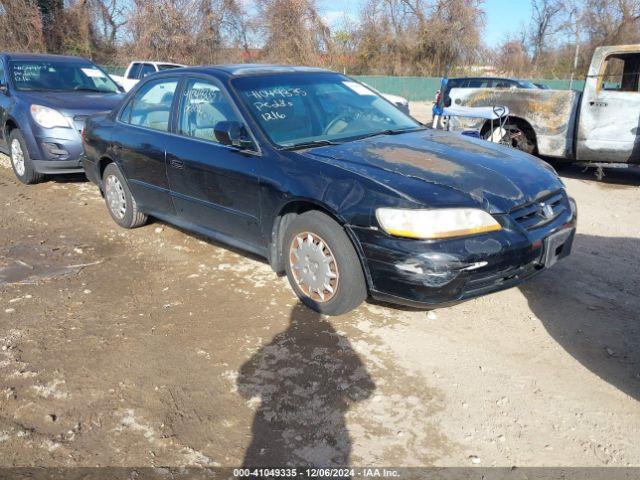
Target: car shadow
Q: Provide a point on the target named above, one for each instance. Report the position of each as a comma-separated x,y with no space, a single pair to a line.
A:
612,176
209,240
590,304
305,381
67,178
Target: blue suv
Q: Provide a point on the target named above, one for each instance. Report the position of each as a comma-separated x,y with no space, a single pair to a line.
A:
44,102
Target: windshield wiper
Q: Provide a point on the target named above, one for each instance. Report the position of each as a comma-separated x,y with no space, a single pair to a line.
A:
310,144
391,131
90,89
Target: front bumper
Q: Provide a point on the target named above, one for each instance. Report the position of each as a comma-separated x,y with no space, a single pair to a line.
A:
58,166
425,274
56,150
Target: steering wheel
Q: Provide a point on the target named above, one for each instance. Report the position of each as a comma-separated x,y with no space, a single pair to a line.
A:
345,117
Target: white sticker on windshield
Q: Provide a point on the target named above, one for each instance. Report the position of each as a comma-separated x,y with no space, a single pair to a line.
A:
92,72
359,89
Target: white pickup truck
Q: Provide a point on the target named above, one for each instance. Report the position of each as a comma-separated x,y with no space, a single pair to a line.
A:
599,126
139,69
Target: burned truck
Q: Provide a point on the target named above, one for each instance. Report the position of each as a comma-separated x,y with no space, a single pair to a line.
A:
599,126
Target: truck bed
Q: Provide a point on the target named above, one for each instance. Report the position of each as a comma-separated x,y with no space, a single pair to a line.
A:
551,113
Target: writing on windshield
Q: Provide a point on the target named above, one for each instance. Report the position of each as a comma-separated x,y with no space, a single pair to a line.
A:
59,76
305,108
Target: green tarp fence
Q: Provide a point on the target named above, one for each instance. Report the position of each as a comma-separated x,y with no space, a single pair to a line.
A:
412,88
425,88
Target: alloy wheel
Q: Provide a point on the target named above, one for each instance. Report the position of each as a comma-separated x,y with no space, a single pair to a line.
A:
17,157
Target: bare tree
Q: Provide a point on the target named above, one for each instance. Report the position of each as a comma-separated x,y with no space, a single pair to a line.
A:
612,21
511,58
221,31
548,19
419,36
20,26
293,31
162,29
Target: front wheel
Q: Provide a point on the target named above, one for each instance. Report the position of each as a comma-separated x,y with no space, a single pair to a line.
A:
122,207
322,266
21,160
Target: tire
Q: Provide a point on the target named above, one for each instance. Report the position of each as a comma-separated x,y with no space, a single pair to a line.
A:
21,160
316,250
514,136
121,205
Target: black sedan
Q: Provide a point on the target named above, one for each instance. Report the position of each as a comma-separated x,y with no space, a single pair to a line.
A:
331,183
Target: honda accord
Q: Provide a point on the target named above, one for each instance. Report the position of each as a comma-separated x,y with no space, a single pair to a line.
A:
336,187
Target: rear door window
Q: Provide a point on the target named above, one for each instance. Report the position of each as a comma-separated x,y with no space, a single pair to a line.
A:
203,106
151,107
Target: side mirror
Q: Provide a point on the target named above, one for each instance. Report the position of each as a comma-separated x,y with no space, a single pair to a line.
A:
4,89
233,134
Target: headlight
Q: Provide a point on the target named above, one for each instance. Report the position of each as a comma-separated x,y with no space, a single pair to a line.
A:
436,223
48,117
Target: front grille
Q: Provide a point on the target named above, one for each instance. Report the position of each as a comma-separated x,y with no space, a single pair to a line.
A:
541,212
79,121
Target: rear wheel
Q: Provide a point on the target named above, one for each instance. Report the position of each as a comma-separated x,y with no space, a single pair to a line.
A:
513,135
21,161
322,266
120,202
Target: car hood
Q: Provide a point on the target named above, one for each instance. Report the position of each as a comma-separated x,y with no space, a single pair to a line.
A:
73,103
495,177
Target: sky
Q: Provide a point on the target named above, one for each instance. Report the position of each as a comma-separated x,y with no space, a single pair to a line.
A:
502,16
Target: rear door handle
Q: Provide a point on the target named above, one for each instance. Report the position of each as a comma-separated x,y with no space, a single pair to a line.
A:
598,104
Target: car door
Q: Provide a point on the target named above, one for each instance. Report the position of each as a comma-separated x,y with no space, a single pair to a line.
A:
214,186
609,128
140,138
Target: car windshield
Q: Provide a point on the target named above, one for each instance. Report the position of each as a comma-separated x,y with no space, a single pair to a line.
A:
314,108
60,76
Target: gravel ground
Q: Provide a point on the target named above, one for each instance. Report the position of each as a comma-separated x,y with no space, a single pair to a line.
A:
157,347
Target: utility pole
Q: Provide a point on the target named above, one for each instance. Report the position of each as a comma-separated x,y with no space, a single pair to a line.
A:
575,63
577,52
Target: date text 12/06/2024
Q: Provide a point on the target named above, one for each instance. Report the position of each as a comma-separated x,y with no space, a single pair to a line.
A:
315,472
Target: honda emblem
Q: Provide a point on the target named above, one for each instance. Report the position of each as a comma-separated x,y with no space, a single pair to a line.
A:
547,211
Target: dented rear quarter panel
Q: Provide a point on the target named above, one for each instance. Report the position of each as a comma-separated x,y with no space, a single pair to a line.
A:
551,113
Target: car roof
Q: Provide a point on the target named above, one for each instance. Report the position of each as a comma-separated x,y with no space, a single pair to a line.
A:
155,62
487,78
42,56
249,69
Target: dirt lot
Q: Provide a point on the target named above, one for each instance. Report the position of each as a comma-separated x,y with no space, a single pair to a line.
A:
156,347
